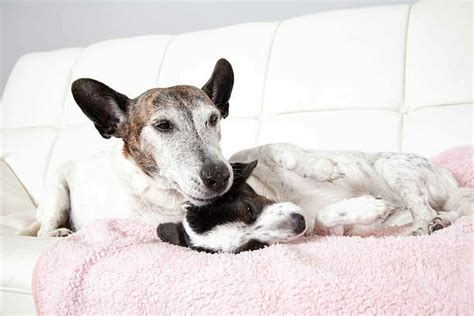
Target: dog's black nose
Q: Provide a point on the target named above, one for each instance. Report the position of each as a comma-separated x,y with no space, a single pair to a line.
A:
215,176
300,224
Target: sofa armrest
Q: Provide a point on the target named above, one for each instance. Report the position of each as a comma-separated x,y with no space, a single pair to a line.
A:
17,209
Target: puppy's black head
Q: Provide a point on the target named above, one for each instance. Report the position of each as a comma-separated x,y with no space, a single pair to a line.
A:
237,221
239,204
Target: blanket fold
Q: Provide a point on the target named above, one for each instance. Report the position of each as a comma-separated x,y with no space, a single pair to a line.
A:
120,267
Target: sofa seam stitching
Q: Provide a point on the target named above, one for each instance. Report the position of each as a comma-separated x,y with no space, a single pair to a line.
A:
15,290
59,123
403,107
162,62
264,84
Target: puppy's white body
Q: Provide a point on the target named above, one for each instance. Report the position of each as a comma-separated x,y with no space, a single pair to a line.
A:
107,185
341,191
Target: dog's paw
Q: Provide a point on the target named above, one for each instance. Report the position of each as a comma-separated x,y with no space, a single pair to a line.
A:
310,228
336,231
386,210
320,169
419,231
60,232
436,224
317,168
304,163
362,210
283,156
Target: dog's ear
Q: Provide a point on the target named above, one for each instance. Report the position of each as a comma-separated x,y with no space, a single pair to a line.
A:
219,86
172,233
105,107
252,244
186,206
242,171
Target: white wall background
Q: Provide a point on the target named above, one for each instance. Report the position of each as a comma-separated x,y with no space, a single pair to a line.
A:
27,26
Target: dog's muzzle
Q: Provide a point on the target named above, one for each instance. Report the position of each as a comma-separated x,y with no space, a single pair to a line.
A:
299,223
215,177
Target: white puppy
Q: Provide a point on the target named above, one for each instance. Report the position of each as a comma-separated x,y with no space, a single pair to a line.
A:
342,190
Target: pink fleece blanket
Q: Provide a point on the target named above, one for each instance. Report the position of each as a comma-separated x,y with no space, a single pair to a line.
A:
120,267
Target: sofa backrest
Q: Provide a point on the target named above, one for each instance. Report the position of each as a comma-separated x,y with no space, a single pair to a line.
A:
391,78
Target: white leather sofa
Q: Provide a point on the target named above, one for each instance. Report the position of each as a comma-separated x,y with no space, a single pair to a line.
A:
392,78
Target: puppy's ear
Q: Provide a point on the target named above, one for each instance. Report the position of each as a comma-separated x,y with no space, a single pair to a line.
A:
242,171
252,244
219,87
105,107
172,233
186,206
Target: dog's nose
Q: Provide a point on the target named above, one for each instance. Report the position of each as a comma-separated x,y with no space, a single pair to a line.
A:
300,224
215,176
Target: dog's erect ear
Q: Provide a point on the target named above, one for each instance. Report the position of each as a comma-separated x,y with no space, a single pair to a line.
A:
105,107
219,86
242,171
172,233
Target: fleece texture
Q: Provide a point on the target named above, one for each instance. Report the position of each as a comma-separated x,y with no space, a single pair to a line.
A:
120,267
459,161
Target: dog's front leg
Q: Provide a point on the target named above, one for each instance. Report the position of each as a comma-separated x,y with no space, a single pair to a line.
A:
361,210
53,211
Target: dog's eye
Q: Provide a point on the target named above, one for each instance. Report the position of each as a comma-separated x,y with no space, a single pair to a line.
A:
249,210
163,126
213,119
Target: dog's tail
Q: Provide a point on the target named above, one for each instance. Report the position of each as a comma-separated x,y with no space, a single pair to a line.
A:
31,230
461,202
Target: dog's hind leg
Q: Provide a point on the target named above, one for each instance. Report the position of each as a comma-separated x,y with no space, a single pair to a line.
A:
409,176
421,212
461,203
53,211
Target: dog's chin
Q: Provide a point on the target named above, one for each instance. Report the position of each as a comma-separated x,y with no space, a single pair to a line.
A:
299,235
285,238
198,201
296,236
198,198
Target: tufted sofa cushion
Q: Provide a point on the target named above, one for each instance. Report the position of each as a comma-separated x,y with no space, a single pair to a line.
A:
396,78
